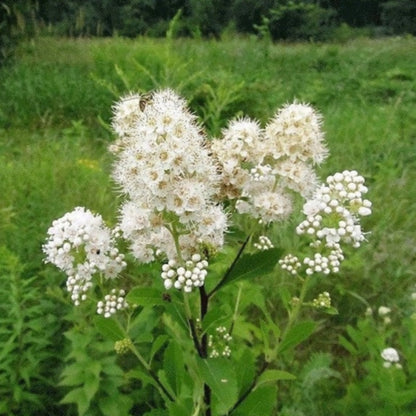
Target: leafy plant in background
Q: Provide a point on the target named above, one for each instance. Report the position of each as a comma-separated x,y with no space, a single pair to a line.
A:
382,345
179,284
27,329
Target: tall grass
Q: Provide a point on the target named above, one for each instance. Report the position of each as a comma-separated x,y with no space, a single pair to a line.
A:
55,106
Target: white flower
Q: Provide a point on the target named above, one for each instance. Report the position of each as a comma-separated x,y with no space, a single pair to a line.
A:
112,303
290,263
126,111
168,177
383,310
390,356
334,211
184,275
295,133
81,245
263,243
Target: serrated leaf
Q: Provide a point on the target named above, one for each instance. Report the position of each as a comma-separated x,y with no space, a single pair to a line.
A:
145,296
296,335
250,266
219,374
109,328
271,376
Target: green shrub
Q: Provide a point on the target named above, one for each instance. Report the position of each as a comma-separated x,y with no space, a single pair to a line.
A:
400,16
300,20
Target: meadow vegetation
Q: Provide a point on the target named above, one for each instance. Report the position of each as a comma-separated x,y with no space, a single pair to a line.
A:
55,110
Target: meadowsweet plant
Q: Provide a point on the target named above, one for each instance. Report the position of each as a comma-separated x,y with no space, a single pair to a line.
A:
179,282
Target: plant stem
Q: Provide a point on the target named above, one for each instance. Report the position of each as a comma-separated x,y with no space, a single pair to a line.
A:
191,324
204,299
152,374
250,388
237,304
237,257
294,313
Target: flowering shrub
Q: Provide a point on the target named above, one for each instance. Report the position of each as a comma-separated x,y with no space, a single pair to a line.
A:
198,211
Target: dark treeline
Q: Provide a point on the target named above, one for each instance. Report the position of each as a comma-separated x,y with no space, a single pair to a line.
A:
279,19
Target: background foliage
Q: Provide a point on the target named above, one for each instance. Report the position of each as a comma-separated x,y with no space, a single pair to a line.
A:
283,19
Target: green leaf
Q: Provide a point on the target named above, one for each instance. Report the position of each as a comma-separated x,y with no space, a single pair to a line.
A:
296,335
157,345
244,373
91,384
215,316
161,374
250,266
142,376
174,366
79,397
219,374
145,296
157,412
347,345
181,408
109,328
271,376
259,402
111,407
331,311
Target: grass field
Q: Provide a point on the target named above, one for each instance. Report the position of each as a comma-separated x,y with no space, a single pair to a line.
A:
55,108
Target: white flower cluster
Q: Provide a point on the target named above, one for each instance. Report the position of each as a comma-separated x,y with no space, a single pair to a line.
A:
168,177
219,343
327,263
290,263
187,276
333,219
263,243
384,312
112,303
391,357
334,211
260,168
81,245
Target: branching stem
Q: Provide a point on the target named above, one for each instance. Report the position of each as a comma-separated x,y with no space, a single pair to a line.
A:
152,374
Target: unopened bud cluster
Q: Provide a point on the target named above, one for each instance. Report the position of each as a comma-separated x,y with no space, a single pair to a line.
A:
325,264
123,346
323,301
333,213
218,343
290,263
185,276
112,303
263,243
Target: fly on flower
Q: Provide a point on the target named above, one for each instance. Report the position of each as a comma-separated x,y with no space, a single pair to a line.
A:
145,99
